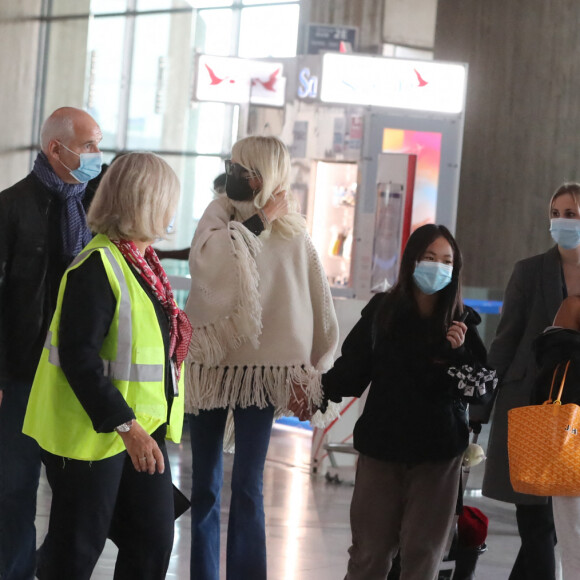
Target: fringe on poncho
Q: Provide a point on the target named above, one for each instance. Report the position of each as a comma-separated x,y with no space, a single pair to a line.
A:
262,314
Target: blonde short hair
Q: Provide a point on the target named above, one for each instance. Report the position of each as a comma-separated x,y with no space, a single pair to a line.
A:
136,199
571,188
268,158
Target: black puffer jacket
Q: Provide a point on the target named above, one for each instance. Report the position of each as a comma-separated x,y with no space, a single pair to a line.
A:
414,411
31,267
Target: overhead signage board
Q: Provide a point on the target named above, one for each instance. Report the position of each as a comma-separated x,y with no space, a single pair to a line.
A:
323,37
239,80
395,83
309,69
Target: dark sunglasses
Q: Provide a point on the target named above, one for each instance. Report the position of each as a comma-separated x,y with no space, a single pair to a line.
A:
236,170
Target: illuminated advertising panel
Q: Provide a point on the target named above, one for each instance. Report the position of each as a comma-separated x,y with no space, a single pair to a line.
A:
427,147
395,83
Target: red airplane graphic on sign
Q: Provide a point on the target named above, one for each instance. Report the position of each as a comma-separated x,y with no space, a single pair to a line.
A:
215,80
422,81
269,84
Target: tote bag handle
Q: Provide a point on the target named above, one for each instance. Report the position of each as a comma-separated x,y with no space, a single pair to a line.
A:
558,400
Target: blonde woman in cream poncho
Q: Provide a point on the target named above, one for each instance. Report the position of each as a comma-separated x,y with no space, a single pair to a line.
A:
263,319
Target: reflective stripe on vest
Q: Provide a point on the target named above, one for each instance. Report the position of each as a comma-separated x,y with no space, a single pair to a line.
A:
121,370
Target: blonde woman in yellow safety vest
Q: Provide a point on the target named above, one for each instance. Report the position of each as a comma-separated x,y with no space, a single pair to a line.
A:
107,391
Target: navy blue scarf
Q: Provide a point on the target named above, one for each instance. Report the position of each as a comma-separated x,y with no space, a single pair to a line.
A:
75,232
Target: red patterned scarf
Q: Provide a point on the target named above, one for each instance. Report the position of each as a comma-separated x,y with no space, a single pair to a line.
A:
151,270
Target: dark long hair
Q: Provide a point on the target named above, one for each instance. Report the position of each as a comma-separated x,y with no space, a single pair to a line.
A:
402,294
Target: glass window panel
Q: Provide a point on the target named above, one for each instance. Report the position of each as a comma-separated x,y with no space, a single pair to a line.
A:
161,4
210,3
205,171
148,82
104,75
66,7
250,2
160,114
262,36
213,34
210,122
67,65
108,6
196,175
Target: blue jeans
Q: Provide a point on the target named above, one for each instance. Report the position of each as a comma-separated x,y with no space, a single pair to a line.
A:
19,477
246,547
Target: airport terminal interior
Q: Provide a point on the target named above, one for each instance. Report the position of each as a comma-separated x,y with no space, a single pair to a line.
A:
307,523
396,114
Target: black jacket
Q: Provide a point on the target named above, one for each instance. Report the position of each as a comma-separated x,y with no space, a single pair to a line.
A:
31,267
414,411
554,347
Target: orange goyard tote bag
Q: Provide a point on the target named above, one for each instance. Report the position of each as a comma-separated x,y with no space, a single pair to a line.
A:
544,446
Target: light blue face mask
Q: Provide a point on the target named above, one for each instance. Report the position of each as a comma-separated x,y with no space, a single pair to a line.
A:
170,226
168,229
89,168
565,232
431,277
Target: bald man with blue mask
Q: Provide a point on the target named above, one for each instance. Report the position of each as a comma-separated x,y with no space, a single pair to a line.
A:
42,228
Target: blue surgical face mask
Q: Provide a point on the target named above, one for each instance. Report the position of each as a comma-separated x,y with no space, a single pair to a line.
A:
89,168
565,232
431,277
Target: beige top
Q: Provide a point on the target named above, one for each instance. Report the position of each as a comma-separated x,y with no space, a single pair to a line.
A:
260,302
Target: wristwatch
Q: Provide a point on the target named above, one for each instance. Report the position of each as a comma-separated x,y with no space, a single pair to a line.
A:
124,427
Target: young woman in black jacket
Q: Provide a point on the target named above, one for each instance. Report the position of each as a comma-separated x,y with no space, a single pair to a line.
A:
414,429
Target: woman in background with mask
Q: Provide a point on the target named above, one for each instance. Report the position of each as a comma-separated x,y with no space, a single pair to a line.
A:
533,295
263,320
413,430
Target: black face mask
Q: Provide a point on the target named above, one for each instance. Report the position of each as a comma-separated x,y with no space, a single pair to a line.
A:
238,188
237,185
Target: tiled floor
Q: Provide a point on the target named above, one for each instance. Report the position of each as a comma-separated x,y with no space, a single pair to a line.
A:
306,518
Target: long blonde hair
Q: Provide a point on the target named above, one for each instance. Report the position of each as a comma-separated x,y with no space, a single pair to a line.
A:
268,158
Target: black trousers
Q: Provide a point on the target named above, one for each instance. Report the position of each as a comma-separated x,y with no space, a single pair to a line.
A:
87,497
535,560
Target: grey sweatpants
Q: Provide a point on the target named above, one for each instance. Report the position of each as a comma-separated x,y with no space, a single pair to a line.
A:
403,507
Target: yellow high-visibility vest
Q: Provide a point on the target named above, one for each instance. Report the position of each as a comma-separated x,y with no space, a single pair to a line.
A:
133,358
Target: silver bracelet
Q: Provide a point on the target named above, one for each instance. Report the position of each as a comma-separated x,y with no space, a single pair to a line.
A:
263,216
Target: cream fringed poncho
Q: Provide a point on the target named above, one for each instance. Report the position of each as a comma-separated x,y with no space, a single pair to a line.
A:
262,315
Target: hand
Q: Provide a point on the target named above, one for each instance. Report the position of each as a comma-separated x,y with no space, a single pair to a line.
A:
277,206
456,334
298,403
143,450
1,395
